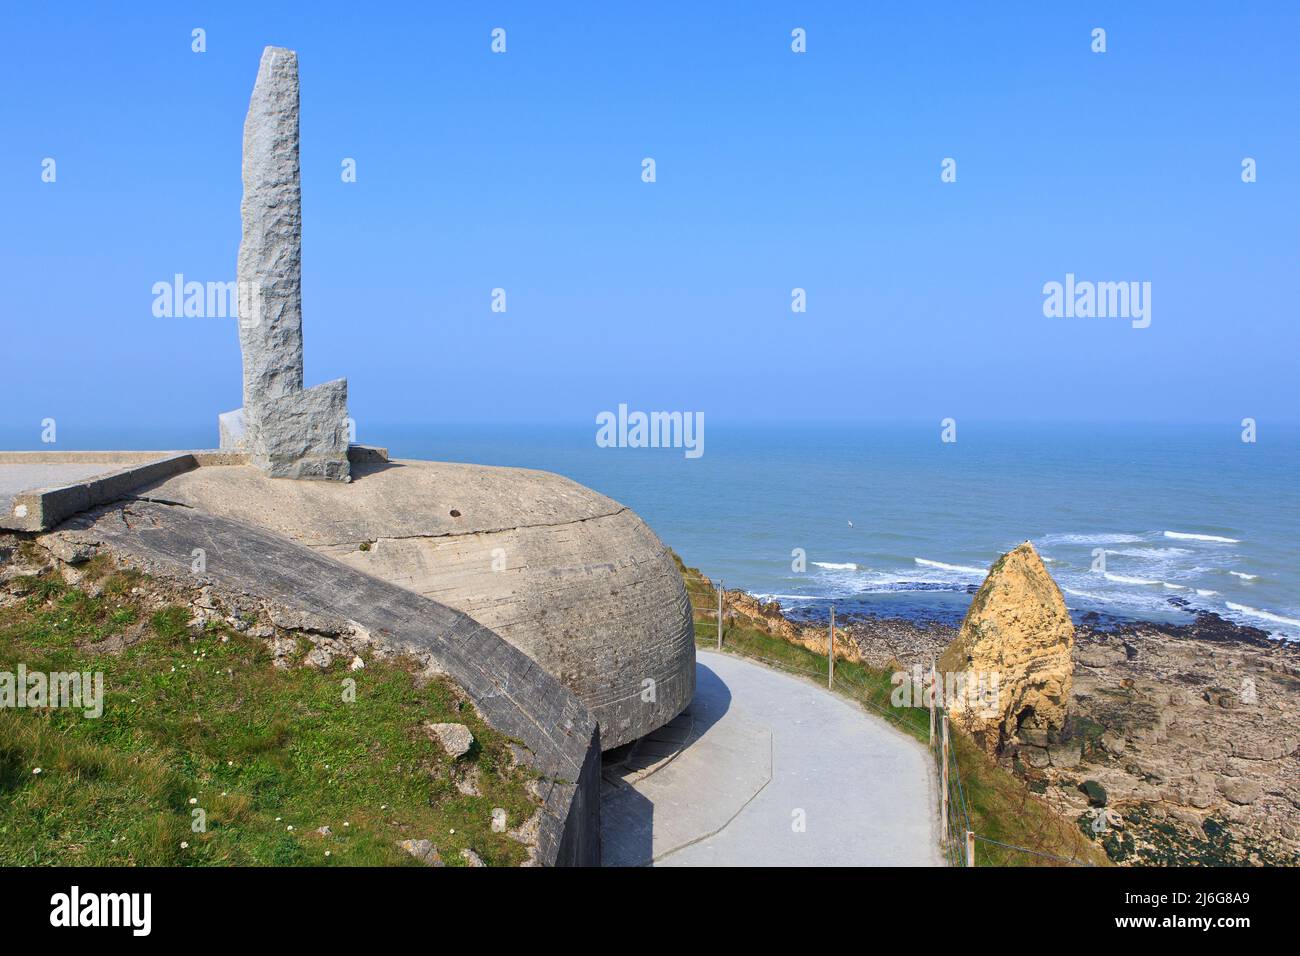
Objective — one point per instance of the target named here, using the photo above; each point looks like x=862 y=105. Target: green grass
x=1000 y=804
x=203 y=721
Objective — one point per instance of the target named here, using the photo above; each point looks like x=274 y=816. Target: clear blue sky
x=775 y=170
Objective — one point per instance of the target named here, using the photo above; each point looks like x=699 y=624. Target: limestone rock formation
x=456 y=739
x=1017 y=632
x=287 y=431
x=1194 y=732
x=424 y=851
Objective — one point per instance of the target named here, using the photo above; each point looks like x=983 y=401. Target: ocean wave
x=1189 y=536
x=1138 y=602
x=831 y=566
x=939 y=565
x=1206 y=592
x=885 y=582
x=1122 y=579
x=1244 y=576
x=1158 y=553
x=1262 y=615
x=1105 y=538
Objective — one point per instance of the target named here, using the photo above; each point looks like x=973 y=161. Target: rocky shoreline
x=1182 y=745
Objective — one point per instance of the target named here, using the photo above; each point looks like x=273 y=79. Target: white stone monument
x=287 y=431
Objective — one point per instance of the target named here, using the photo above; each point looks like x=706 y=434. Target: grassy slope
x=1000 y=805
x=203 y=721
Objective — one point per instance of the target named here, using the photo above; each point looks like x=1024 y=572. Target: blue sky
x=774 y=171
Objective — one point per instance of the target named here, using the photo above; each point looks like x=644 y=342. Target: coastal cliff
x=1169 y=744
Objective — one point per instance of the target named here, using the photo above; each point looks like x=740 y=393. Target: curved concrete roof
x=572 y=578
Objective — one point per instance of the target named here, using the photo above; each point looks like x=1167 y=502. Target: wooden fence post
x=945 y=777
x=830 y=651
x=719 y=613
x=931 y=696
x=970 y=847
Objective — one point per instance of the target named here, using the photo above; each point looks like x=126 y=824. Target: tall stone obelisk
x=287 y=431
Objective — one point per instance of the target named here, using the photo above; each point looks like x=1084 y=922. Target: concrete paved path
x=777 y=772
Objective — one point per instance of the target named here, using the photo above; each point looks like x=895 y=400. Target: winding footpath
x=772 y=770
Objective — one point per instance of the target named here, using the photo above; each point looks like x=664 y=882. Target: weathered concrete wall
x=39 y=489
x=570 y=577
x=515 y=696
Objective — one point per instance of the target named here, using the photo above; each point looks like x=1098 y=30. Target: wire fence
x=959 y=841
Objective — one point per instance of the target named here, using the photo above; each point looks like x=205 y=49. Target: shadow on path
x=772 y=771
x=627 y=816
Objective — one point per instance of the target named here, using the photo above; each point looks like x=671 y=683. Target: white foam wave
x=1131 y=601
x=962 y=568
x=1189 y=536
x=1262 y=615
x=832 y=566
x=1111 y=538
x=1244 y=576
x=1158 y=553
x=1123 y=579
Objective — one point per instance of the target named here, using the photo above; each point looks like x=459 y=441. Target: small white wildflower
x=193 y=800
x=37 y=770
x=184 y=845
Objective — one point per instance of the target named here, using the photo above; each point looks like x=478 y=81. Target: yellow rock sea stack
x=1017 y=632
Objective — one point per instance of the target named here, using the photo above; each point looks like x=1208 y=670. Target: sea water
x=1150 y=522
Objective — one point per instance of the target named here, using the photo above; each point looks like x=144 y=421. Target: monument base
x=300 y=435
